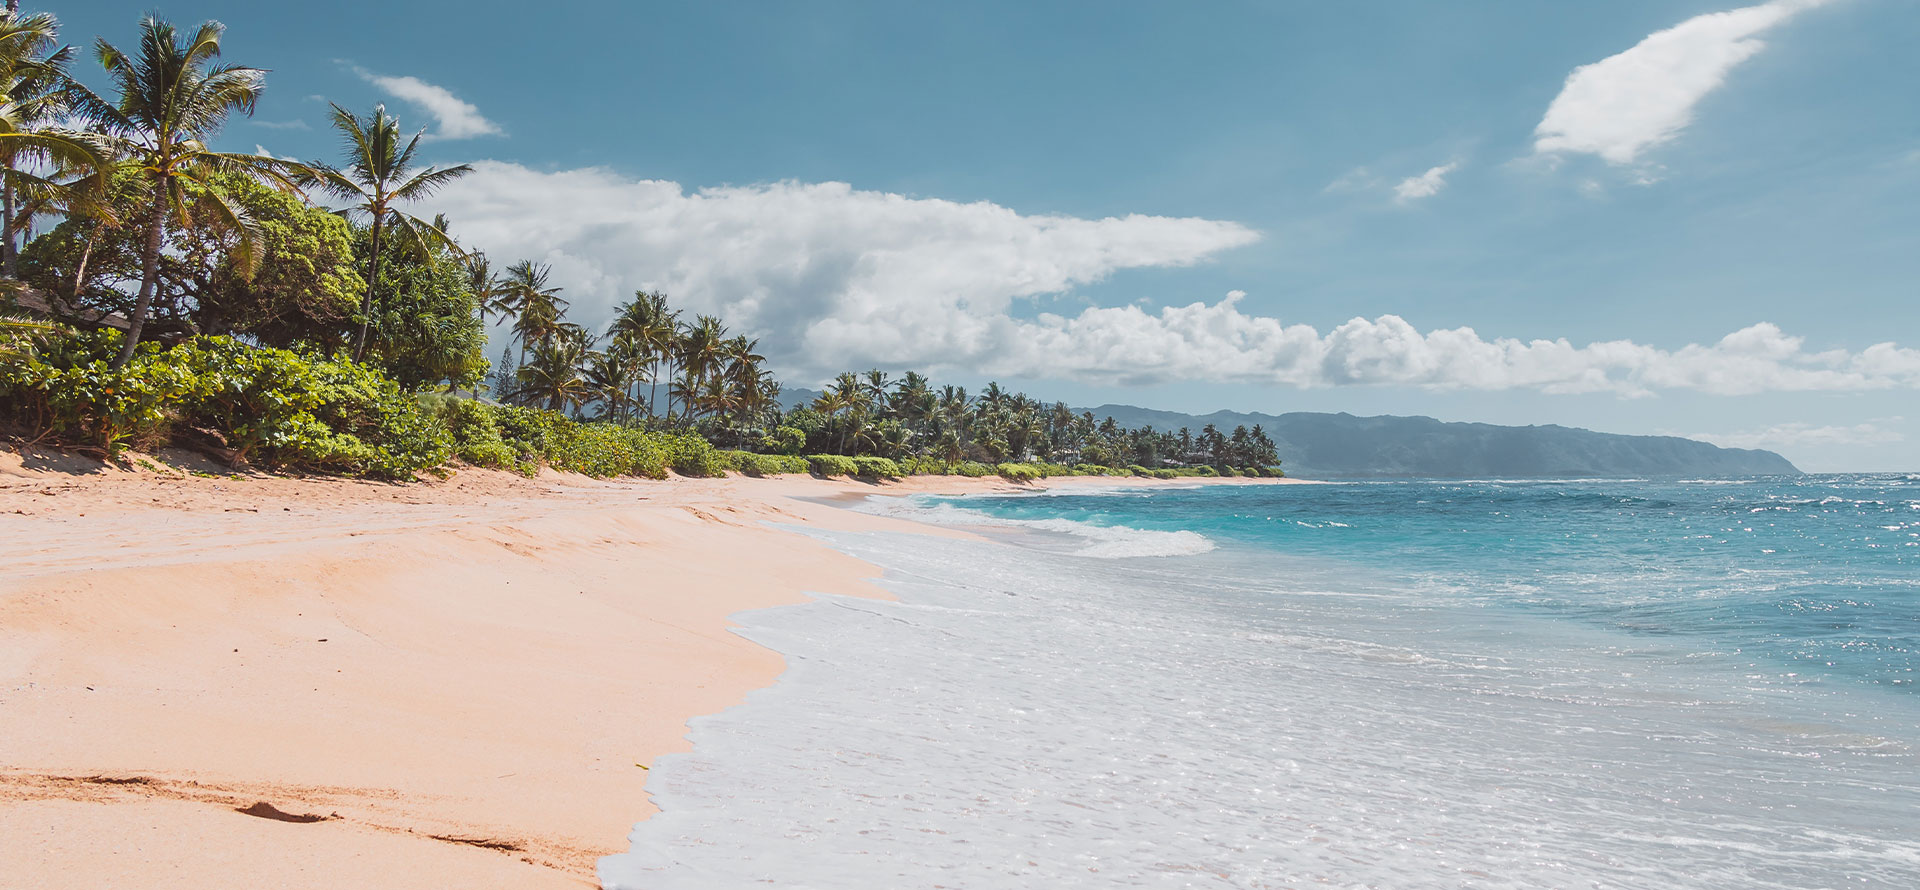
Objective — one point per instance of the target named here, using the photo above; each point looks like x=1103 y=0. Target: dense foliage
x=281 y=409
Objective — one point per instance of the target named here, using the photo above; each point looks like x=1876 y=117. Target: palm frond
x=428 y=182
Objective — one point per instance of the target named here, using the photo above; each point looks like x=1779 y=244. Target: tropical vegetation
x=308 y=316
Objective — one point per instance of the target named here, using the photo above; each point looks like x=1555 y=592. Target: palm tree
x=379 y=175
x=830 y=403
x=553 y=375
x=879 y=387
x=171 y=101
x=650 y=326
x=605 y=376
x=32 y=78
x=701 y=350
x=744 y=379
x=488 y=293
x=538 y=309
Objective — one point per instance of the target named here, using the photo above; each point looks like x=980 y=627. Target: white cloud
x=1624 y=104
x=457 y=119
x=835 y=277
x=1358 y=179
x=1791 y=435
x=1218 y=342
x=1426 y=185
x=295 y=124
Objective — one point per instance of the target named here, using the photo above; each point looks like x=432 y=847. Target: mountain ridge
x=1342 y=445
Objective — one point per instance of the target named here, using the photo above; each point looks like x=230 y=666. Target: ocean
x=1483 y=684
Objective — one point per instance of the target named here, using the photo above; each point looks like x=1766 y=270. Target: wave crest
x=1095 y=541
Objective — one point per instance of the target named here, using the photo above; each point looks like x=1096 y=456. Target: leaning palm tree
x=378 y=177
x=171 y=100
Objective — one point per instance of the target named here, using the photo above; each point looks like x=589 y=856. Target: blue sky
x=1028 y=186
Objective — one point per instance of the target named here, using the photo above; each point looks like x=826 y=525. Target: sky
x=1686 y=218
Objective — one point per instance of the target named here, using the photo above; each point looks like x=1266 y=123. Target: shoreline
x=303 y=682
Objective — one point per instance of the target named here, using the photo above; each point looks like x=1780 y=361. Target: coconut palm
x=879 y=387
x=171 y=99
x=538 y=309
x=488 y=293
x=650 y=326
x=605 y=375
x=553 y=374
x=378 y=177
x=32 y=79
x=701 y=352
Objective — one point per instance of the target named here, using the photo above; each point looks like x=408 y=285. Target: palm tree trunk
x=11 y=262
x=80 y=268
x=653 y=391
x=366 y=300
x=149 y=274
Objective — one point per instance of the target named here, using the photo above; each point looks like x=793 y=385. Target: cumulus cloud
x=1624 y=104
x=1426 y=185
x=835 y=277
x=1790 y=435
x=1217 y=341
x=455 y=118
x=295 y=124
x=838 y=274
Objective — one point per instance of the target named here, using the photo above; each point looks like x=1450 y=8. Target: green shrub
x=877 y=467
x=767 y=464
x=786 y=440
x=269 y=406
x=475 y=433
x=1018 y=472
x=1139 y=470
x=923 y=466
x=831 y=465
x=972 y=469
x=690 y=455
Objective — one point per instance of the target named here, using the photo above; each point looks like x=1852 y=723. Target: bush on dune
x=763 y=464
x=280 y=409
x=273 y=407
x=877 y=468
x=831 y=465
x=1017 y=472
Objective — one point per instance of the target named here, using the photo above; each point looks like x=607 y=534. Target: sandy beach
x=261 y=681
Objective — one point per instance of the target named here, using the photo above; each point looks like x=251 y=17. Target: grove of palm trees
x=319 y=316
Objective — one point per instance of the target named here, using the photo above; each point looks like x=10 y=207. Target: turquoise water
x=1397 y=685
x=1811 y=578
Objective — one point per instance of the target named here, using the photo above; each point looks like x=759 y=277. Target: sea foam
x=1081 y=538
x=1253 y=718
